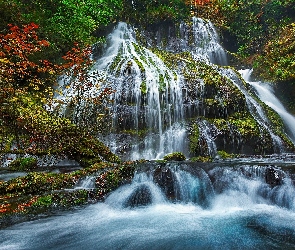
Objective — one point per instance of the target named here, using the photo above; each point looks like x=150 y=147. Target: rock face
x=164 y=178
x=273 y=177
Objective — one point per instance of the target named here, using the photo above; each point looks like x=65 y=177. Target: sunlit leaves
x=277 y=62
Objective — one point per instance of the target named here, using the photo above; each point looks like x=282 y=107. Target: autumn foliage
x=17 y=66
x=27 y=84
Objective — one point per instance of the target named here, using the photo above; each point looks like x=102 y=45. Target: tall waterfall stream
x=233 y=204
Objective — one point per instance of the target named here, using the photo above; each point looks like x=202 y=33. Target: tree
x=19 y=75
x=64 y=22
x=26 y=85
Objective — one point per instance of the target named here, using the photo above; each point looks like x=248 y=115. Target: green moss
x=44 y=201
x=224 y=155
x=140 y=65
x=162 y=83
x=23 y=164
x=141 y=133
x=143 y=87
x=112 y=179
x=161 y=161
x=194 y=138
x=175 y=156
x=202 y=159
x=246 y=126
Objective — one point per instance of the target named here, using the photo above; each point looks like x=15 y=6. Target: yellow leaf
x=4 y=60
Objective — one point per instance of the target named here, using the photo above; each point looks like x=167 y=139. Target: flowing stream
x=176 y=206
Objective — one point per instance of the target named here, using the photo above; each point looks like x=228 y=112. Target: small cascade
x=174 y=182
x=207 y=136
x=185 y=183
x=254 y=184
x=191 y=188
x=266 y=94
x=87 y=183
x=206 y=41
x=142 y=191
x=255 y=109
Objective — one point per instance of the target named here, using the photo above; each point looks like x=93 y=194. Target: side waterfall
x=206 y=43
x=255 y=108
x=266 y=94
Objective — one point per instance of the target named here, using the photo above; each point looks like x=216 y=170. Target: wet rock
x=273 y=177
x=140 y=197
x=165 y=179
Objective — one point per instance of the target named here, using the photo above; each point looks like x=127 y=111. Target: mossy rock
x=225 y=155
x=89 y=162
x=23 y=164
x=176 y=156
x=201 y=159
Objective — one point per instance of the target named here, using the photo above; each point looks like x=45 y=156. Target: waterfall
x=255 y=109
x=155 y=103
x=266 y=94
x=148 y=95
x=148 y=109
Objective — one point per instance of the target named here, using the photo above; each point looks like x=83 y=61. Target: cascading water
x=206 y=43
x=87 y=183
x=266 y=94
x=255 y=109
x=147 y=98
x=186 y=205
x=177 y=206
x=202 y=40
x=207 y=138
